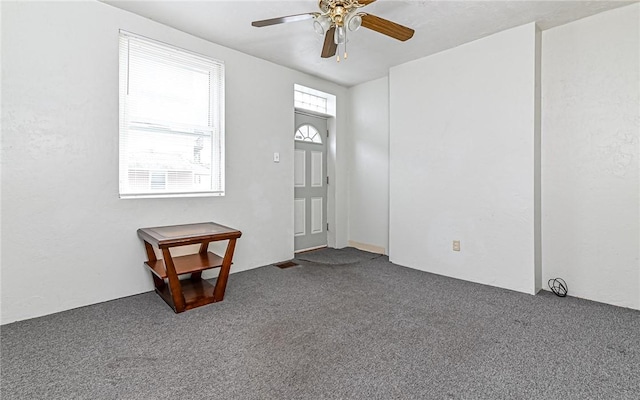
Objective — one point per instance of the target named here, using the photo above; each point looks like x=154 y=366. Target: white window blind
x=171 y=120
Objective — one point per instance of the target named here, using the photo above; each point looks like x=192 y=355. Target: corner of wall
x=537 y=161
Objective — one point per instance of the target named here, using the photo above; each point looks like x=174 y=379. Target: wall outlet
x=456 y=245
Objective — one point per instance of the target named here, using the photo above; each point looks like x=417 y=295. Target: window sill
x=169 y=195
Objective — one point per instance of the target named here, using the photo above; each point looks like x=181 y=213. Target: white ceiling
x=438 y=25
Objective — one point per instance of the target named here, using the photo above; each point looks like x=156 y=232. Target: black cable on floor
x=558 y=286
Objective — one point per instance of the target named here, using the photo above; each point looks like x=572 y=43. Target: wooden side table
x=193 y=292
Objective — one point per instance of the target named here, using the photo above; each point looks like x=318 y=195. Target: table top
x=181 y=235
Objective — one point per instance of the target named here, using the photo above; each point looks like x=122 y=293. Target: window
x=307 y=133
x=171 y=121
x=314 y=101
x=309 y=101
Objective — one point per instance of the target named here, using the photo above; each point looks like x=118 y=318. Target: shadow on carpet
x=328 y=256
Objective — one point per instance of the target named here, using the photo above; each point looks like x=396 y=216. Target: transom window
x=307 y=133
x=310 y=101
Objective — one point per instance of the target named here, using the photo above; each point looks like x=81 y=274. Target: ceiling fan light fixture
x=354 y=22
x=321 y=24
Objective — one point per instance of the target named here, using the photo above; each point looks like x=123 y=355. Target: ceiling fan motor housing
x=339 y=10
x=337 y=13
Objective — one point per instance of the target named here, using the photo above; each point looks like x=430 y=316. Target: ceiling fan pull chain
x=345 y=44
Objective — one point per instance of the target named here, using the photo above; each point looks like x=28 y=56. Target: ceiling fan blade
x=329 y=48
x=282 y=20
x=387 y=27
x=365 y=2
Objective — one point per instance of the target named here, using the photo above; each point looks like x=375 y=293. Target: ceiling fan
x=336 y=17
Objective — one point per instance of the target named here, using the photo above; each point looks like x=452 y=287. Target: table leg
x=221 y=283
x=204 y=248
x=174 y=282
x=151 y=256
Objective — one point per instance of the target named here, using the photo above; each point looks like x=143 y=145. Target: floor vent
x=286 y=264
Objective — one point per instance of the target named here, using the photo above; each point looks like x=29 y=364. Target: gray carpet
x=367 y=330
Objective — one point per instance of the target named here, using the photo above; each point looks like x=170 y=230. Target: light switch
x=276 y=157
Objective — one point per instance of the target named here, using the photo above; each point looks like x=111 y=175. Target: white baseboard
x=367 y=247
x=310 y=249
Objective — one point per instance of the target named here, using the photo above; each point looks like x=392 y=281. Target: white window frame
x=215 y=126
x=315 y=102
x=309 y=101
x=306 y=137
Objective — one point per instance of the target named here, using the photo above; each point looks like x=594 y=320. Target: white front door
x=310 y=182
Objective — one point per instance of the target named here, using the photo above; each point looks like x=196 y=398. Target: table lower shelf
x=196 y=292
x=186 y=264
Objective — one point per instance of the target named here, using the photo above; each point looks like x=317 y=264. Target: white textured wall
x=590 y=156
x=67 y=239
x=462 y=161
x=369 y=165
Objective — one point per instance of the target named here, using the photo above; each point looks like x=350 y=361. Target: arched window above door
x=307 y=133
